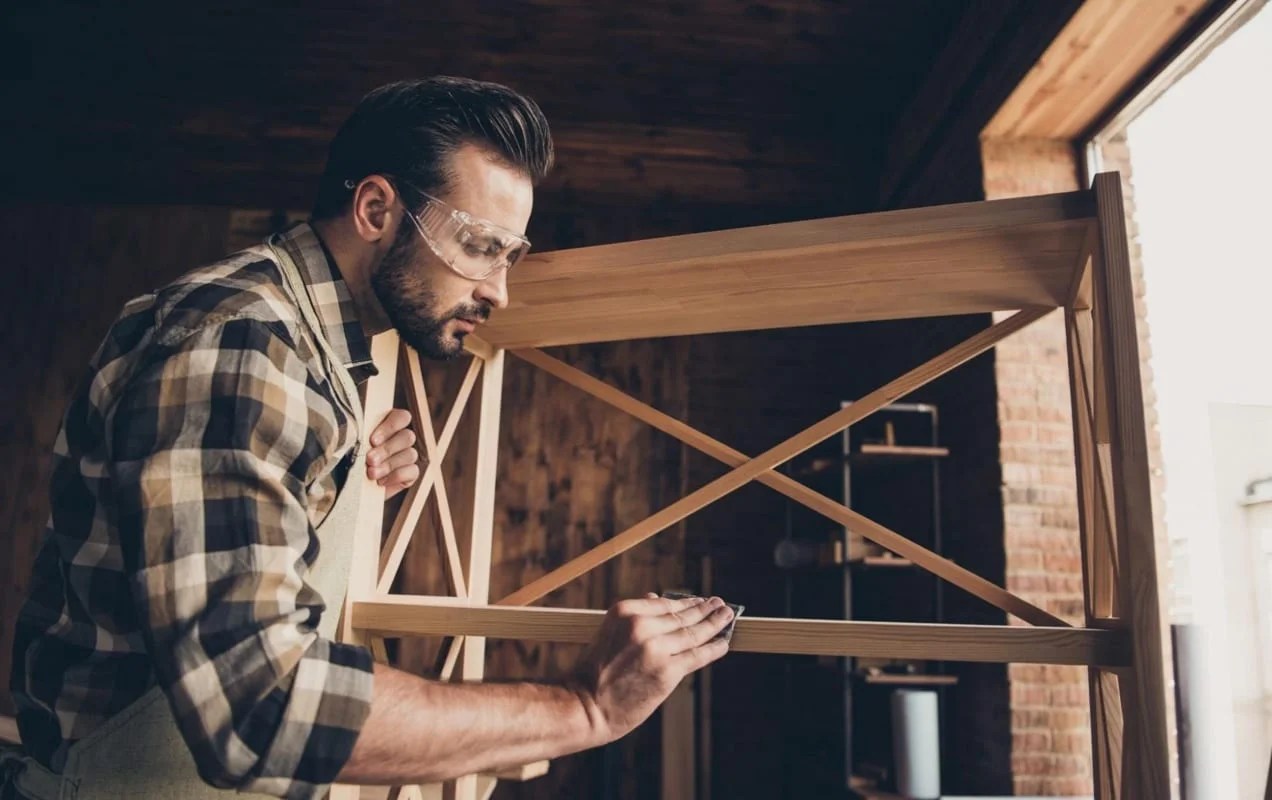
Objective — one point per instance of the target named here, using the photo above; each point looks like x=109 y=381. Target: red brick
x=1066 y=562
x=1030 y=695
x=1026 y=584
x=1071 y=787
x=1070 y=718
x=1071 y=695
x=1059 y=583
x=1032 y=764
x=1072 y=610
x=1071 y=743
x=1027 y=673
x=1019 y=432
x=1031 y=742
x=1024 y=560
x=1029 y=785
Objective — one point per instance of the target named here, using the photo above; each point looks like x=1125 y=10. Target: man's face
x=432 y=307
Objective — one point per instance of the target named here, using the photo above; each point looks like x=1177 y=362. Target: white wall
x=1202 y=165
x=1241 y=440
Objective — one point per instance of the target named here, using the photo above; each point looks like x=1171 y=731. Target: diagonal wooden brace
x=404 y=526
x=760 y=468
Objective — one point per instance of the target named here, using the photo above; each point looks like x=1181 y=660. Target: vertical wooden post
x=364 y=562
x=472 y=662
x=1146 y=760
x=678 y=752
x=1098 y=581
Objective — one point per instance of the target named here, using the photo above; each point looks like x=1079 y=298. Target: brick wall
x=1051 y=743
x=1050 y=723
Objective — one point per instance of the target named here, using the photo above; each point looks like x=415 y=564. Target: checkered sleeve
x=212 y=444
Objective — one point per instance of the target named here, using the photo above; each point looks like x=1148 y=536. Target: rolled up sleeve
x=212 y=447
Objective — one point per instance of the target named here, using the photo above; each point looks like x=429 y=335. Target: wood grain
x=472 y=657
x=955 y=259
x=365 y=556
x=1099 y=54
x=1095 y=492
x=403 y=615
x=1144 y=690
x=678 y=743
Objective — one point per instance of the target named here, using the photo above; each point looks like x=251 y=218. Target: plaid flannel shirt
x=195 y=459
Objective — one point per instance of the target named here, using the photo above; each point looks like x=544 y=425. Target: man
x=175 y=636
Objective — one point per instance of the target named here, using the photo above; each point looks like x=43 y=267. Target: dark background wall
x=143 y=141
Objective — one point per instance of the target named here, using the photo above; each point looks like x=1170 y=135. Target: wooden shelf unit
x=1030 y=256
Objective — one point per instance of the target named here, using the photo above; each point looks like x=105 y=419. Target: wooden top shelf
x=955 y=259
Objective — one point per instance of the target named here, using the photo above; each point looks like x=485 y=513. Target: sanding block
x=727 y=632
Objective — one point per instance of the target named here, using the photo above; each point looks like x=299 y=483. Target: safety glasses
x=473 y=247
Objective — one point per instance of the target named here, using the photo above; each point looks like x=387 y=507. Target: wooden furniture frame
x=1029 y=255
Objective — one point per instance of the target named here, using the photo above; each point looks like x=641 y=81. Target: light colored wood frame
x=1032 y=255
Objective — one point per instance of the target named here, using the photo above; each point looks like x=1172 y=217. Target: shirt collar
x=331 y=298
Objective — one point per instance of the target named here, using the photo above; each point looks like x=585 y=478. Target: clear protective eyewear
x=473 y=247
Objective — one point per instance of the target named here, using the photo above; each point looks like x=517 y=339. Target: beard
x=411 y=305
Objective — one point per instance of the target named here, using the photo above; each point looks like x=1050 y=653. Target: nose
x=493 y=290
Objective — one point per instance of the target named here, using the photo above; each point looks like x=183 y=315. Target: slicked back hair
x=410 y=129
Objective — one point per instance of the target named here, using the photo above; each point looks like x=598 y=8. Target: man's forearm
x=422 y=731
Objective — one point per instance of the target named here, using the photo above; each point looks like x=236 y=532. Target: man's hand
x=391 y=462
x=641 y=653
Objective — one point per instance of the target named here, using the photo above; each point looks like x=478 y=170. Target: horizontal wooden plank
x=956 y=259
x=408 y=615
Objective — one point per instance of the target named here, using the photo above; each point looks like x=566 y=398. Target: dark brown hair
x=409 y=130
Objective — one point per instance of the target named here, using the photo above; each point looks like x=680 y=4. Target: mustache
x=477 y=312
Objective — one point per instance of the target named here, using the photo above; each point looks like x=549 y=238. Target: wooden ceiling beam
x=1102 y=51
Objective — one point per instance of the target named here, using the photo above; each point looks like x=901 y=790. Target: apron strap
x=300 y=293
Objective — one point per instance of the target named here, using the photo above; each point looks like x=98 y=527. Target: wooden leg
x=363 y=567
x=472 y=659
x=364 y=563
x=678 y=749
x=1095 y=516
x=1143 y=688
x=1106 y=734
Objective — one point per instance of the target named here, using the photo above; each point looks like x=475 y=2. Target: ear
x=373 y=198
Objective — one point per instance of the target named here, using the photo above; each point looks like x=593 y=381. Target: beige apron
x=139 y=752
